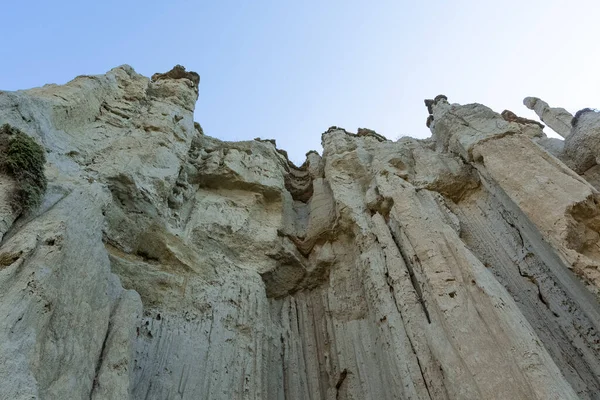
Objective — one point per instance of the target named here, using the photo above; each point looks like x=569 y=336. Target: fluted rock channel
x=166 y=264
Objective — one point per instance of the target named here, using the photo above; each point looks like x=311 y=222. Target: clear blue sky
x=290 y=69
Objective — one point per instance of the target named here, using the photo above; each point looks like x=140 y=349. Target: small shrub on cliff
x=24 y=159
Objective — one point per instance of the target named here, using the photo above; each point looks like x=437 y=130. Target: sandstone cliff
x=166 y=264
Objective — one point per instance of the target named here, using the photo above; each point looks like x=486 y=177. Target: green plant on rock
x=24 y=159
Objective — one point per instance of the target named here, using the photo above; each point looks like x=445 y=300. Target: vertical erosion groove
x=388 y=281
x=396 y=235
x=340 y=382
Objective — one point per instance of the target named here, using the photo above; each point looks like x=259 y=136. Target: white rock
x=166 y=264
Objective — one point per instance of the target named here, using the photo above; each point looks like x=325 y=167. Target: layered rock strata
x=167 y=264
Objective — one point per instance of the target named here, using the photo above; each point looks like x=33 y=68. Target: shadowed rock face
x=167 y=264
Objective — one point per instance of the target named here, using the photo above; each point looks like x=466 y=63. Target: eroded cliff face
x=166 y=264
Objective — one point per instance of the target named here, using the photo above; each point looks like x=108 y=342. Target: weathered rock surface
x=167 y=264
x=556 y=118
x=582 y=145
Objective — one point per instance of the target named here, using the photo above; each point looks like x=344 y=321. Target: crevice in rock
x=408 y=336
x=533 y=280
x=340 y=382
x=299 y=183
x=543 y=300
x=526 y=252
x=283 y=365
x=515 y=228
x=409 y=265
x=412 y=347
x=145 y=256
x=118 y=111
x=95 y=382
x=297 y=317
x=7 y=259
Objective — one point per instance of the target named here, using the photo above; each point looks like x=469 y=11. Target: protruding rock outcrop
x=178 y=72
x=167 y=264
x=558 y=119
x=512 y=117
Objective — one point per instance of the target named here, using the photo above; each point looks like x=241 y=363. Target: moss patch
x=24 y=159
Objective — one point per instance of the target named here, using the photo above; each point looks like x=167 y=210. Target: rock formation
x=512 y=117
x=556 y=118
x=163 y=263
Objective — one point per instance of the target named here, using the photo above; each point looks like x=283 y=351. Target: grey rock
x=558 y=119
x=583 y=145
